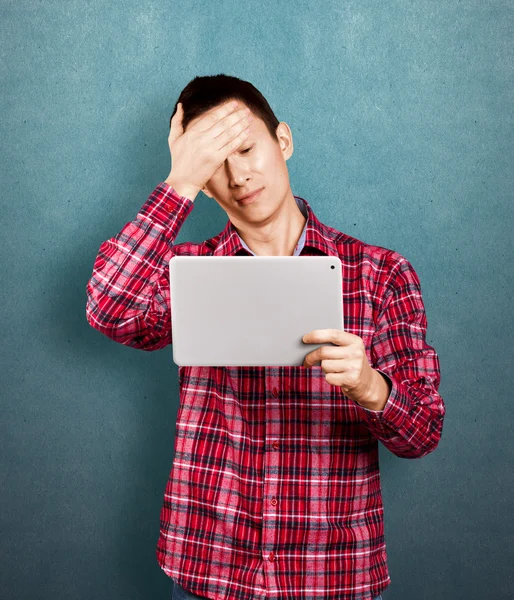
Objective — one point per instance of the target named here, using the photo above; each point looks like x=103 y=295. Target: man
x=275 y=486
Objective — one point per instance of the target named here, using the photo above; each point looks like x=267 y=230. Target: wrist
x=182 y=188
x=379 y=392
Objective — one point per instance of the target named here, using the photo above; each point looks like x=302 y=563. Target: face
x=259 y=162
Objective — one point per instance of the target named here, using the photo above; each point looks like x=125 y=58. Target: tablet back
x=251 y=310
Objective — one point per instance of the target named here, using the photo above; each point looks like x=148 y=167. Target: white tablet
x=251 y=310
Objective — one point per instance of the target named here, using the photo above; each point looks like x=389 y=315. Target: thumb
x=176 y=128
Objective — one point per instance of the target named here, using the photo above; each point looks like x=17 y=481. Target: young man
x=275 y=488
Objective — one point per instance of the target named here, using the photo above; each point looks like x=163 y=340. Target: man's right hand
x=200 y=151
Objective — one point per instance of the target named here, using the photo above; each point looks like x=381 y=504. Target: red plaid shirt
x=275 y=488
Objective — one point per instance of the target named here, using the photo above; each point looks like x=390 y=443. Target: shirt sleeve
x=410 y=425
x=128 y=296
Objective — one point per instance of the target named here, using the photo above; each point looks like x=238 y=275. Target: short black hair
x=205 y=92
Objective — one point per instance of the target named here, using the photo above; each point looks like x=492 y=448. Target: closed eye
x=246 y=150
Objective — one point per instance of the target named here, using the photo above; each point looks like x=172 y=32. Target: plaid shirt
x=274 y=491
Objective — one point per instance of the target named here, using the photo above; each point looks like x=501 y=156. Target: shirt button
x=275 y=392
x=271 y=556
x=275 y=445
x=273 y=501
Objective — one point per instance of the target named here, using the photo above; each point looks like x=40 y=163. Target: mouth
x=251 y=198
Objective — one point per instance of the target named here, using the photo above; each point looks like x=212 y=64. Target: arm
x=128 y=295
x=410 y=424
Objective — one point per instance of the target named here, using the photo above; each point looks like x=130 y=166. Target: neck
x=277 y=235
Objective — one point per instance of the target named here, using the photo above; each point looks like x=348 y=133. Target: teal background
x=402 y=121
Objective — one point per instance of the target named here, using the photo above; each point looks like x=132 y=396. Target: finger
x=312 y=358
x=208 y=120
x=324 y=353
x=334 y=365
x=232 y=138
x=231 y=125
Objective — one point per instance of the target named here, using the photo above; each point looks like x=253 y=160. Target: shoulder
x=381 y=261
x=382 y=269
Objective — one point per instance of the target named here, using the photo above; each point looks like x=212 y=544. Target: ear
x=285 y=139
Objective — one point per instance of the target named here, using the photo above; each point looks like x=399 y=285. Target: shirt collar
x=317 y=235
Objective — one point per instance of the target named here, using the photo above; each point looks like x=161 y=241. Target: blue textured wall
x=402 y=120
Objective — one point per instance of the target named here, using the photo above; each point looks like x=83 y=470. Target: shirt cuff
x=165 y=206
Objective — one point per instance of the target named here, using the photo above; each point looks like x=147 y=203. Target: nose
x=238 y=174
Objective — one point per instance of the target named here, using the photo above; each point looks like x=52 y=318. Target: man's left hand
x=345 y=365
